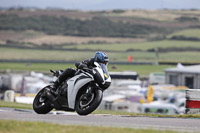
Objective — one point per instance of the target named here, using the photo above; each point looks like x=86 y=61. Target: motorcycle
x=81 y=93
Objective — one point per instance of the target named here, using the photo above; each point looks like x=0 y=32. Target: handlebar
x=52 y=71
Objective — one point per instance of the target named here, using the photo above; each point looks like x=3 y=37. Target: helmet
x=101 y=57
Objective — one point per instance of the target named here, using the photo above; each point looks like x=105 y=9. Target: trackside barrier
x=192 y=101
x=9 y=96
x=27 y=98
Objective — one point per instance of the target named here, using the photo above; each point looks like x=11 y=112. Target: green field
x=15 y=53
x=187 y=33
x=40 y=67
x=11 y=126
x=45 y=67
x=121 y=56
x=139 y=45
x=29 y=106
x=150 y=29
x=15 y=105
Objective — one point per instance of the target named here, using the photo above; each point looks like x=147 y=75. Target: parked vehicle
x=159 y=108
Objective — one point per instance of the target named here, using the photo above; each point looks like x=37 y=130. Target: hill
x=136 y=33
x=115 y=23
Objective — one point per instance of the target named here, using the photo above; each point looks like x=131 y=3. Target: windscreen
x=105 y=70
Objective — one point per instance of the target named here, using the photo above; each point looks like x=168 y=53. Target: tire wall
x=192 y=101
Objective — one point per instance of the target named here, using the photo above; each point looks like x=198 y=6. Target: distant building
x=124 y=75
x=184 y=76
x=157 y=78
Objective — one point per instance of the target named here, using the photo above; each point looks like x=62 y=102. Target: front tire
x=41 y=104
x=86 y=106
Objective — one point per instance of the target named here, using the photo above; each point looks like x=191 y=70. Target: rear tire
x=41 y=104
x=91 y=106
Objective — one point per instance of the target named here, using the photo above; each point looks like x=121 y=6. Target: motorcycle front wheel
x=41 y=104
x=87 y=103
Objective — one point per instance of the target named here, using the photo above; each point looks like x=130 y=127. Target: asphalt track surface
x=67 y=118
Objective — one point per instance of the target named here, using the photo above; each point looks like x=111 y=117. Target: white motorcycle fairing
x=78 y=81
x=75 y=84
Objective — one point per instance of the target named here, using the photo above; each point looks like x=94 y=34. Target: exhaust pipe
x=49 y=95
x=52 y=98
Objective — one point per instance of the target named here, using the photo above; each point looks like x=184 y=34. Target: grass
x=145 y=115
x=15 y=53
x=196 y=116
x=45 y=67
x=26 y=54
x=160 y=15
x=11 y=126
x=60 y=39
x=29 y=106
x=15 y=105
x=138 y=45
x=187 y=57
x=142 y=70
x=40 y=67
x=187 y=33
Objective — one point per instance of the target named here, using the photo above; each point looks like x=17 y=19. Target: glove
x=82 y=66
x=77 y=64
x=58 y=73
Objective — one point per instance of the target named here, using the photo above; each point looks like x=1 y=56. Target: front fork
x=91 y=87
x=89 y=90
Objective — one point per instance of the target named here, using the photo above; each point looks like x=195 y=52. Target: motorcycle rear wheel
x=88 y=106
x=41 y=104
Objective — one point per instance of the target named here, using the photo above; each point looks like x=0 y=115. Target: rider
x=99 y=57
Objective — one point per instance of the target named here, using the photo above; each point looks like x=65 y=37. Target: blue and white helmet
x=101 y=57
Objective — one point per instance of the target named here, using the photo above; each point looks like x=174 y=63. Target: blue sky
x=104 y=4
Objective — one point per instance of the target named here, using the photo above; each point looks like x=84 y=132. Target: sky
x=103 y=4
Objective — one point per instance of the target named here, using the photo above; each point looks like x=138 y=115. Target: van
x=159 y=108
